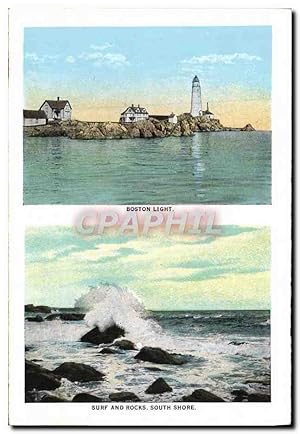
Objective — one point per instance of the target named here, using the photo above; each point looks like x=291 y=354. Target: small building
x=207 y=114
x=172 y=118
x=59 y=109
x=33 y=118
x=134 y=114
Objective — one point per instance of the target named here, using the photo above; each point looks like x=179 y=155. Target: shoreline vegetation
x=187 y=125
x=41 y=383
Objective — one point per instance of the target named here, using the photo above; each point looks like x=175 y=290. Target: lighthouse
x=196 y=104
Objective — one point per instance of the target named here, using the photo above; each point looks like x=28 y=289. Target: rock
x=248 y=127
x=52 y=398
x=157 y=355
x=39 y=378
x=124 y=397
x=258 y=397
x=86 y=397
x=95 y=336
x=78 y=372
x=201 y=395
x=159 y=386
x=52 y=317
x=186 y=126
x=240 y=395
x=40 y=309
x=65 y=316
x=153 y=369
x=108 y=351
x=30 y=397
x=237 y=343
x=37 y=318
x=264 y=382
x=125 y=344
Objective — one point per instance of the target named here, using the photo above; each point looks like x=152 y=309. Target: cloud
x=37 y=59
x=104 y=46
x=100 y=59
x=70 y=59
x=226 y=59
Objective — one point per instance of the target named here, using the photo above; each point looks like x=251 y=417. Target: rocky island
x=186 y=125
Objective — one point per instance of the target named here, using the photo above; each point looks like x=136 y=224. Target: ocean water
x=217 y=168
x=224 y=350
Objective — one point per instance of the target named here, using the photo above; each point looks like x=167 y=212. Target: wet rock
x=39 y=378
x=258 y=397
x=152 y=368
x=37 y=318
x=40 y=309
x=201 y=395
x=240 y=395
x=237 y=343
x=159 y=386
x=86 y=397
x=124 y=397
x=263 y=381
x=65 y=316
x=125 y=344
x=52 y=398
x=95 y=336
x=78 y=372
x=157 y=355
x=108 y=351
x=30 y=397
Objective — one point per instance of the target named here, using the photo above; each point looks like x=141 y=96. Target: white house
x=134 y=114
x=207 y=114
x=59 y=109
x=172 y=118
x=32 y=118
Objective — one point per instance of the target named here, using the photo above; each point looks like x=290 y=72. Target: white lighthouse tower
x=196 y=103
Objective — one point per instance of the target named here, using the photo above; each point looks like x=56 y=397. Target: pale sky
x=230 y=271
x=103 y=70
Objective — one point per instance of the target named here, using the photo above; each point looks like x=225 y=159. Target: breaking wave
x=109 y=304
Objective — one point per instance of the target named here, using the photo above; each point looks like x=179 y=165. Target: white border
x=278 y=411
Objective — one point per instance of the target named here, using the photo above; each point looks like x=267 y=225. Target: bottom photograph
x=157 y=318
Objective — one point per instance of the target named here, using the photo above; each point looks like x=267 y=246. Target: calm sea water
x=225 y=350
x=221 y=168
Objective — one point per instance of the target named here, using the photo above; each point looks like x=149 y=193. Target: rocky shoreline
x=74 y=129
x=41 y=382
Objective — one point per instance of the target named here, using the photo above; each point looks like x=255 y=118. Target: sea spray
x=109 y=304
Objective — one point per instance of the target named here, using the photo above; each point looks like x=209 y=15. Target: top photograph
x=147 y=115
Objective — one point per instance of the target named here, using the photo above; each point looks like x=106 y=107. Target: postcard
x=150 y=217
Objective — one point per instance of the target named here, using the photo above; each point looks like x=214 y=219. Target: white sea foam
x=109 y=304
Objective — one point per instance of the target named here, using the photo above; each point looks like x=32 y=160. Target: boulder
x=157 y=355
x=37 y=318
x=240 y=395
x=258 y=397
x=39 y=378
x=40 y=309
x=78 y=372
x=86 y=397
x=95 y=336
x=124 y=397
x=108 y=351
x=65 y=316
x=52 y=398
x=201 y=395
x=159 y=386
x=125 y=344
x=152 y=368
